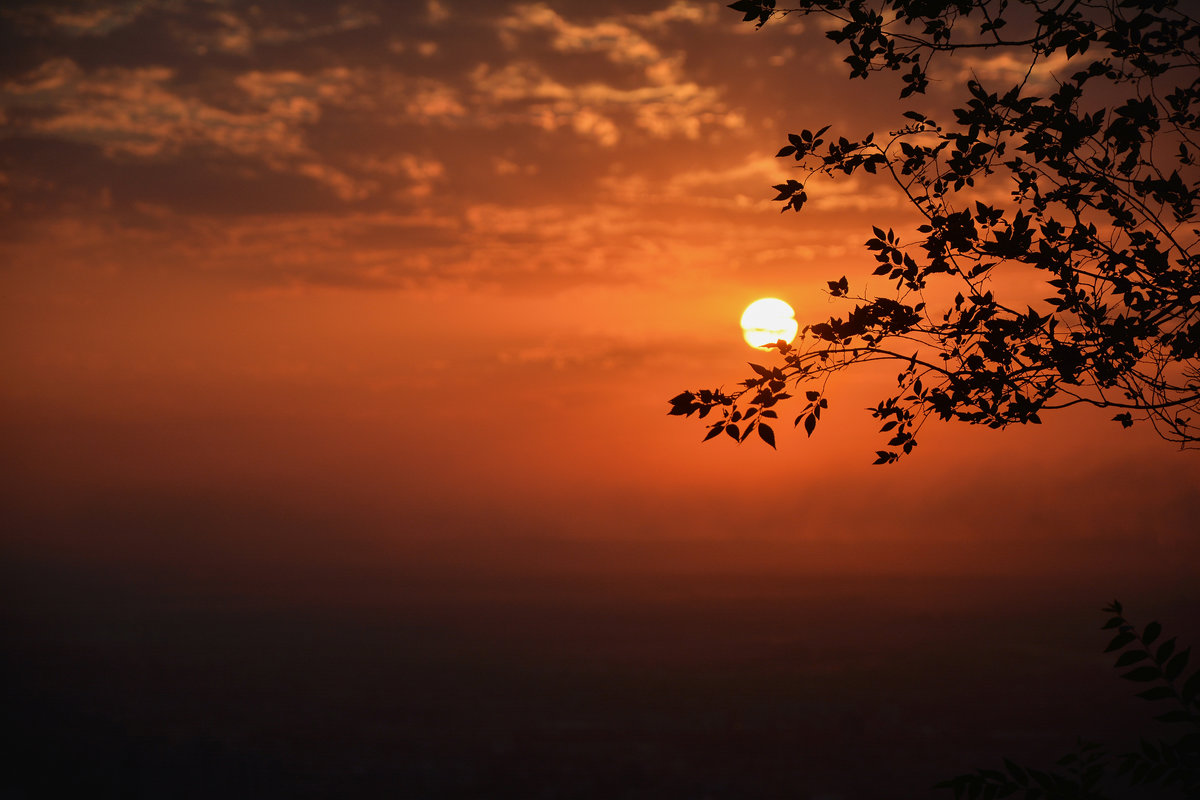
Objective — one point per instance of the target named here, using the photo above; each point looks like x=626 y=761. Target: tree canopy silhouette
x=1091 y=187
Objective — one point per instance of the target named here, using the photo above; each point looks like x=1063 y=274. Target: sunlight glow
x=768 y=320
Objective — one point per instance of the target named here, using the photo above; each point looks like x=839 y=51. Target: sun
x=768 y=320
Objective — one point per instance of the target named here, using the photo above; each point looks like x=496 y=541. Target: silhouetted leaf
x=761 y=370
x=1016 y=772
x=1151 y=632
x=1176 y=665
x=1191 y=688
x=1119 y=641
x=1131 y=657
x=766 y=434
x=1143 y=674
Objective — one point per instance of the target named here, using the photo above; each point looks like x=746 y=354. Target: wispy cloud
x=138 y=112
x=1006 y=69
x=663 y=101
x=141 y=113
x=210 y=26
x=72 y=20
x=522 y=92
x=618 y=41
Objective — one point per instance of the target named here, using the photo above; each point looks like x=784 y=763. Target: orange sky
x=428 y=272
x=337 y=343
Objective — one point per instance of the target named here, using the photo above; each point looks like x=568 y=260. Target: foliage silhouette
x=1103 y=184
x=1168 y=768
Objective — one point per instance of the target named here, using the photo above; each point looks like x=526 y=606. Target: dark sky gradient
x=337 y=342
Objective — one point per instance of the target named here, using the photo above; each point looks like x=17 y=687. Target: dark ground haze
x=617 y=673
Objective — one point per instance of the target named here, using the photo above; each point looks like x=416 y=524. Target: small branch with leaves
x=1169 y=767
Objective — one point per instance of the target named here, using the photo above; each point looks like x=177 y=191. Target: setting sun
x=768 y=320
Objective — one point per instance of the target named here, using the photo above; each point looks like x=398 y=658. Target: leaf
x=1131 y=657
x=1151 y=632
x=810 y=424
x=1191 y=687
x=1176 y=665
x=812 y=396
x=1119 y=641
x=714 y=431
x=1016 y=772
x=766 y=434
x=1142 y=674
x=1157 y=693
x=761 y=370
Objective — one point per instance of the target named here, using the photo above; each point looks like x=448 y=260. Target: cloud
x=621 y=44
x=580 y=353
x=140 y=113
x=379 y=250
x=431 y=100
x=348 y=18
x=660 y=100
x=436 y=12
x=678 y=11
x=137 y=112
x=53 y=75
x=221 y=29
x=419 y=173
x=523 y=92
x=212 y=26
x=1009 y=70
x=96 y=21
x=72 y=20
x=759 y=171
